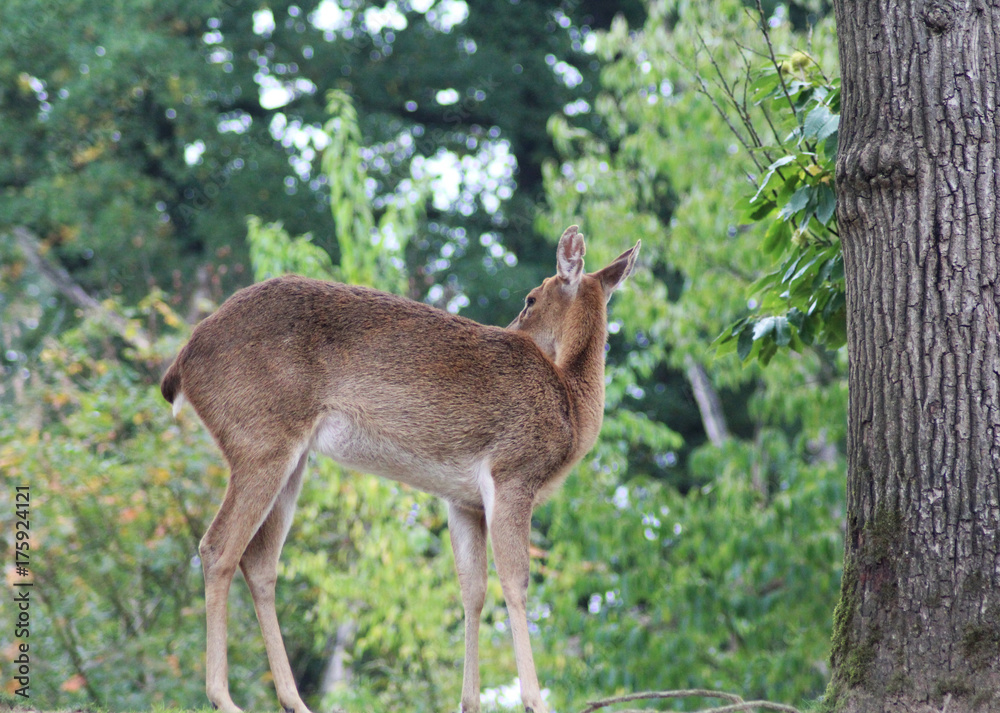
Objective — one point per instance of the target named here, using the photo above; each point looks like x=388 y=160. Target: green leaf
x=724 y=345
x=765 y=282
x=751 y=211
x=820 y=123
x=782 y=332
x=765 y=86
x=771 y=171
x=761 y=211
x=833 y=98
x=803 y=267
x=745 y=343
x=738 y=326
x=836 y=330
x=798 y=202
x=826 y=203
x=767 y=352
x=837 y=273
x=835 y=304
x=807 y=330
x=791 y=184
x=777 y=236
x=764 y=327
x=792 y=267
x=831 y=144
x=823 y=274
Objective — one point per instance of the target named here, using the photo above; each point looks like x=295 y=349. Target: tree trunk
x=713 y=418
x=918 y=178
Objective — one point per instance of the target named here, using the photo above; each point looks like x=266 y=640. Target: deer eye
x=529 y=302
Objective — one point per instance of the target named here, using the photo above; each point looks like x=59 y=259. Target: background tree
x=193 y=107
x=916 y=628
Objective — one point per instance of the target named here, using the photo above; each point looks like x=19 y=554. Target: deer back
x=283 y=358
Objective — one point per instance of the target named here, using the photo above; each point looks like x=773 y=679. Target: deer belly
x=457 y=479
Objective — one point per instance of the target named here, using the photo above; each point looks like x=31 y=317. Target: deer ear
x=614 y=274
x=569 y=255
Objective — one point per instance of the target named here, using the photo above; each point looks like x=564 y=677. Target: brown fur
x=490 y=419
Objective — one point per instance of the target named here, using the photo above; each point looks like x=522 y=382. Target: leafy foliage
x=716 y=588
x=139 y=141
x=120 y=496
x=722 y=587
x=370 y=255
x=274 y=252
x=802 y=299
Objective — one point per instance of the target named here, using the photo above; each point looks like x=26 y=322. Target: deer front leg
x=468 y=543
x=510 y=530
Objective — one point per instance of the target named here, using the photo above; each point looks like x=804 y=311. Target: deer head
x=561 y=313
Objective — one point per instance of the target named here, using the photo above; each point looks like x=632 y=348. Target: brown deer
x=490 y=419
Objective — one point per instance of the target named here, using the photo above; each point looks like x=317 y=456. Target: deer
x=490 y=419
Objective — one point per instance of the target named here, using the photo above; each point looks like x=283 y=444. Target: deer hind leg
x=260 y=569
x=510 y=529
x=468 y=543
x=253 y=489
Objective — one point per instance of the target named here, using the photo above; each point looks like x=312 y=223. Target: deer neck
x=580 y=360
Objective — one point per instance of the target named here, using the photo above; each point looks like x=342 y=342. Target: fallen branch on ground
x=736 y=703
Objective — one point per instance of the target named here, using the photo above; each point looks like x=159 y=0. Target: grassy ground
x=9 y=702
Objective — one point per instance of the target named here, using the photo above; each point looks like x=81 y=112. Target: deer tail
x=170 y=386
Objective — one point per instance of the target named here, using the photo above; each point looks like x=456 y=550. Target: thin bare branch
x=774 y=60
x=727 y=90
x=742 y=110
x=753 y=706
x=650 y=695
x=763 y=109
x=702 y=86
x=747 y=82
x=736 y=703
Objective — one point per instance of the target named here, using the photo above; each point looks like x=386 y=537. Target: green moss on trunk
x=873 y=559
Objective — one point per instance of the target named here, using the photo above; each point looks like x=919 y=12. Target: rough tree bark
x=918 y=180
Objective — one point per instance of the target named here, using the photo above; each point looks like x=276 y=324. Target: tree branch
x=709 y=405
x=67 y=286
x=737 y=703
